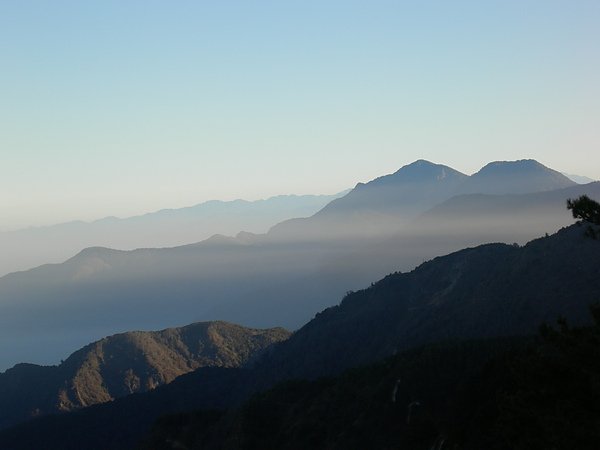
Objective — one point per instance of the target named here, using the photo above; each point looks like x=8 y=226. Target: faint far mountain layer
x=127 y=363
x=580 y=179
x=165 y=228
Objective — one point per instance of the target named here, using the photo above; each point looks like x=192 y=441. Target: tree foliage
x=585 y=208
x=504 y=394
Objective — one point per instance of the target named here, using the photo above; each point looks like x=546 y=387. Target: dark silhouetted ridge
x=487 y=291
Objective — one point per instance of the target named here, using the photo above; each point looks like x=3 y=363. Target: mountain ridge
x=441 y=298
x=34 y=246
x=377 y=207
x=515 y=177
x=256 y=280
x=489 y=291
x=127 y=363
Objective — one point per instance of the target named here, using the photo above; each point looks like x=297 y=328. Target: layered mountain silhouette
x=490 y=291
x=127 y=363
x=282 y=277
x=382 y=205
x=165 y=228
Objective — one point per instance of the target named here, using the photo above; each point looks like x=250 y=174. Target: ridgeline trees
x=587 y=210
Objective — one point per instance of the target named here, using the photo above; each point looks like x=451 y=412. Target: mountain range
x=380 y=206
x=283 y=277
x=490 y=291
x=34 y=246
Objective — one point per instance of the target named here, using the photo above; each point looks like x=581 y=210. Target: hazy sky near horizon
x=122 y=107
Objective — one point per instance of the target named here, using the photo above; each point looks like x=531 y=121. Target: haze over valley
x=285 y=276
x=301 y=225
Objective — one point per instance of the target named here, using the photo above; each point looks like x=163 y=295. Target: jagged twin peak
x=425 y=182
x=379 y=206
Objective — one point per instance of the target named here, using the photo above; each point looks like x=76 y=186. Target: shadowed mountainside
x=127 y=363
x=532 y=394
x=490 y=291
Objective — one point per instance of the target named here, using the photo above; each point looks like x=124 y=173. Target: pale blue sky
x=121 y=107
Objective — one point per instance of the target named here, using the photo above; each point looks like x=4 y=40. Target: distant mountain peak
x=421 y=162
x=515 y=177
x=95 y=252
x=420 y=170
x=579 y=179
x=520 y=164
x=409 y=191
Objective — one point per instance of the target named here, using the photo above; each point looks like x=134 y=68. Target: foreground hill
x=532 y=394
x=491 y=291
x=127 y=363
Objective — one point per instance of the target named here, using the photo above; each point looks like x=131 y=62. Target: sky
x=123 y=107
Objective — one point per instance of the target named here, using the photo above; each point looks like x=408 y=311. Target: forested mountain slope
x=127 y=363
x=490 y=291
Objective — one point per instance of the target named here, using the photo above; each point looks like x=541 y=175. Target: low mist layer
x=281 y=278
